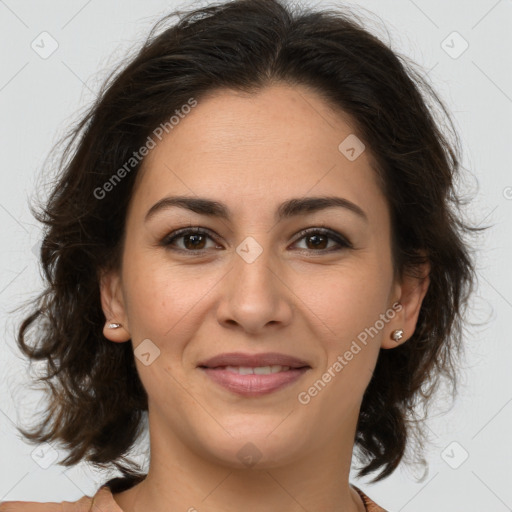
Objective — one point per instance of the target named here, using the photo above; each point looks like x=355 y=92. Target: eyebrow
x=290 y=208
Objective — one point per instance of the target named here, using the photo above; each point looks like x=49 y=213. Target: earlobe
x=116 y=324
x=411 y=292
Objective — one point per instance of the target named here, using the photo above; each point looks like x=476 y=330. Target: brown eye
x=194 y=242
x=317 y=240
x=188 y=240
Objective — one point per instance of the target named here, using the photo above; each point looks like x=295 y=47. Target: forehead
x=282 y=141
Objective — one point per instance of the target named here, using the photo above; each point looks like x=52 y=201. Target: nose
x=255 y=295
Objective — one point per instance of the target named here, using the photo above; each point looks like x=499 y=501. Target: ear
x=112 y=303
x=409 y=291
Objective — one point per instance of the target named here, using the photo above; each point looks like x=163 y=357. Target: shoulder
x=369 y=504
x=102 y=499
x=82 y=505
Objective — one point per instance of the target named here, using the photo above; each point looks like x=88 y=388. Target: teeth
x=259 y=370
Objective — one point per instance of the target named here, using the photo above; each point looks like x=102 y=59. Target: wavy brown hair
x=96 y=401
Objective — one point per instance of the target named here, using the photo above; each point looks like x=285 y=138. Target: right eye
x=192 y=240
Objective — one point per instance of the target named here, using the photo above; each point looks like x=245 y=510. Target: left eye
x=317 y=240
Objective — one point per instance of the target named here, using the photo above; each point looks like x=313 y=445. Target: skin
x=252 y=152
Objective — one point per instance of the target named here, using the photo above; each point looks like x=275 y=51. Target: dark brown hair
x=96 y=400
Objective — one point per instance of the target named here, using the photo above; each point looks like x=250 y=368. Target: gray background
x=40 y=97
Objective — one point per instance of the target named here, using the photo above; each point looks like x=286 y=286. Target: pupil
x=193 y=246
x=318 y=239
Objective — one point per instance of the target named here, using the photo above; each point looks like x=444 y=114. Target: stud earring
x=397 y=335
x=114 y=326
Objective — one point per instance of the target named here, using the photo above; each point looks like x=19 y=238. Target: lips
x=240 y=359
x=253 y=375
x=253 y=385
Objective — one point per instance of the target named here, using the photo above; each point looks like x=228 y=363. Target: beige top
x=103 y=501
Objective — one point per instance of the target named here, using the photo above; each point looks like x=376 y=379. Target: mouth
x=245 y=360
x=256 y=370
x=254 y=375
x=248 y=382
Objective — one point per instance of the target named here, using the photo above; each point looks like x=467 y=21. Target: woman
x=256 y=240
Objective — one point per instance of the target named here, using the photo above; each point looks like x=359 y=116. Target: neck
x=181 y=478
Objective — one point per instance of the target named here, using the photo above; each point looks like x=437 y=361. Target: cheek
x=342 y=305
x=342 y=302
x=162 y=297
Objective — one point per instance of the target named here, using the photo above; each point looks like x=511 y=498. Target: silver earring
x=114 y=326
x=397 y=335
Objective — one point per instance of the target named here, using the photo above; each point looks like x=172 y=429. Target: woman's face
x=249 y=282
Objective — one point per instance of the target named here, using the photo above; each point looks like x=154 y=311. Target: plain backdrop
x=465 y=48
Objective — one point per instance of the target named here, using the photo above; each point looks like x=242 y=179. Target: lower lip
x=254 y=385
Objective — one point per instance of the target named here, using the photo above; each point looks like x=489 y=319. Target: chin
x=256 y=449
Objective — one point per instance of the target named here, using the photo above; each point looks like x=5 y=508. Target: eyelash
x=342 y=242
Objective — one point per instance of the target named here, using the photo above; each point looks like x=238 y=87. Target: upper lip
x=253 y=360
